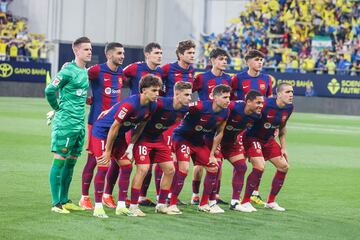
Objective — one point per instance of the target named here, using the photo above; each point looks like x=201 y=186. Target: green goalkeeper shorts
x=67 y=142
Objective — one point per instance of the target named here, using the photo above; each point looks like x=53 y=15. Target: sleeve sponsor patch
x=122 y=113
x=56 y=82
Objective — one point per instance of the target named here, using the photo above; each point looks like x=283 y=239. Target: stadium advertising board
x=24 y=71
x=320 y=85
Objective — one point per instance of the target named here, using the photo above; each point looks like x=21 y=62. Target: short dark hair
x=183 y=46
x=80 y=40
x=253 y=53
x=149 y=80
x=112 y=45
x=181 y=85
x=218 y=52
x=220 y=89
x=252 y=95
x=280 y=87
x=150 y=46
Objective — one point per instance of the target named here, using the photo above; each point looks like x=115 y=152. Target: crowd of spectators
x=16 y=43
x=321 y=36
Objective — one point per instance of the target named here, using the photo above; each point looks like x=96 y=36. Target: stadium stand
x=16 y=43
x=320 y=36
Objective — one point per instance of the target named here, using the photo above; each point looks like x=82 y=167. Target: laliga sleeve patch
x=56 y=82
x=122 y=113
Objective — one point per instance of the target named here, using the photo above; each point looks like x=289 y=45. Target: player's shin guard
x=177 y=187
x=66 y=177
x=157 y=178
x=99 y=183
x=55 y=180
x=209 y=185
x=124 y=179
x=238 y=178
x=146 y=183
x=277 y=183
x=111 y=177
x=87 y=174
x=252 y=181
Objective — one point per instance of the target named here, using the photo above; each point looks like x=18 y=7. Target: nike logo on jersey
x=269 y=116
x=106 y=79
x=246 y=86
x=177 y=74
x=203 y=120
x=163 y=118
x=234 y=121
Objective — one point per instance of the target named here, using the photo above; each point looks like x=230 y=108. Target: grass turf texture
x=321 y=193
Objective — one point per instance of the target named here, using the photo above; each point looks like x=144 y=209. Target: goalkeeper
x=68 y=127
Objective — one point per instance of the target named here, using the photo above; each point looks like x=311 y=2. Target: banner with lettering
x=24 y=71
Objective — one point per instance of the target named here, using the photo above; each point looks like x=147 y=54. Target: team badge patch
x=142 y=158
x=120 y=80
x=56 y=82
x=262 y=86
x=126 y=124
x=64 y=150
x=198 y=128
x=267 y=125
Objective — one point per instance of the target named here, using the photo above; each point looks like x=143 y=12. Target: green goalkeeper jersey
x=72 y=83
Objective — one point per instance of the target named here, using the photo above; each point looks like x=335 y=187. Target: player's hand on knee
x=104 y=159
x=49 y=117
x=129 y=152
x=284 y=154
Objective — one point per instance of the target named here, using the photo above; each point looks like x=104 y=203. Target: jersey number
x=257 y=145
x=142 y=150
x=185 y=149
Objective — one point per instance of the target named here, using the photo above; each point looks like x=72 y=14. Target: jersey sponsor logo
x=159 y=126
x=199 y=128
x=127 y=124
x=122 y=113
x=229 y=127
x=56 y=82
x=267 y=125
x=107 y=90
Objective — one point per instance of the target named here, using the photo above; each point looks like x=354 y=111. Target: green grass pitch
x=321 y=192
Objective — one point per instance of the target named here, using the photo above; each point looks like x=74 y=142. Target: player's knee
x=284 y=167
x=142 y=170
x=170 y=171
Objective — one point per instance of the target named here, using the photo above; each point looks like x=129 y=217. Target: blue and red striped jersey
x=129 y=113
x=200 y=120
x=162 y=118
x=242 y=83
x=272 y=118
x=173 y=73
x=204 y=83
x=106 y=89
x=238 y=121
x=135 y=71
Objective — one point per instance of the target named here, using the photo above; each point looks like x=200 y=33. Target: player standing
x=133 y=72
x=203 y=118
x=106 y=81
x=204 y=83
x=108 y=140
x=252 y=79
x=68 y=127
x=260 y=146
